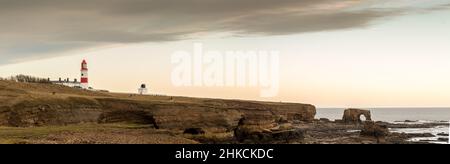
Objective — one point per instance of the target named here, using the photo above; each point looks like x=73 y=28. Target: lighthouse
x=84 y=75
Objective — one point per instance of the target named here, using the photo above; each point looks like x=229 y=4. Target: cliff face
x=220 y=114
x=45 y=104
x=45 y=112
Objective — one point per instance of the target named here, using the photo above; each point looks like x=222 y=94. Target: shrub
x=26 y=79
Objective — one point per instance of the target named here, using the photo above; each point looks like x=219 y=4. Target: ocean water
x=392 y=114
x=418 y=115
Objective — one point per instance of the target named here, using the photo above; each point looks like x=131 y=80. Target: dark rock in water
x=324 y=120
x=339 y=121
x=407 y=121
x=194 y=131
x=421 y=135
x=443 y=134
x=353 y=116
x=371 y=129
x=413 y=125
x=443 y=139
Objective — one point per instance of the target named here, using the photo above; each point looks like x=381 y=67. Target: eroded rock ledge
x=222 y=115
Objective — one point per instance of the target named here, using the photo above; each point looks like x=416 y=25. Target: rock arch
x=354 y=115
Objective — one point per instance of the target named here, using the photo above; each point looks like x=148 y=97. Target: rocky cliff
x=26 y=105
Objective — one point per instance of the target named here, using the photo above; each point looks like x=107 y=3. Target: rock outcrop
x=257 y=129
x=222 y=115
x=47 y=112
x=372 y=129
x=352 y=116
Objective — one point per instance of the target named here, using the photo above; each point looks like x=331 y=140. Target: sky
x=333 y=53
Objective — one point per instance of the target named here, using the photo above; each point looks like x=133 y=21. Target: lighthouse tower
x=84 y=75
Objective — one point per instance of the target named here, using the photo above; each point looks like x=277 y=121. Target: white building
x=83 y=83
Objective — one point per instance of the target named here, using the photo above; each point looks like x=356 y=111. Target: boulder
x=353 y=116
x=372 y=129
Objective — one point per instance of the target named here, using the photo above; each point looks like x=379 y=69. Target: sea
x=404 y=115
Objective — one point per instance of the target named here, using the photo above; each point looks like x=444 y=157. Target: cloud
x=31 y=28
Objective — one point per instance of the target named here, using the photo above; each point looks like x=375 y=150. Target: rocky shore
x=65 y=115
x=350 y=130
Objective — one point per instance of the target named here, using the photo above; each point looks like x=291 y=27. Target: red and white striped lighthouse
x=84 y=75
